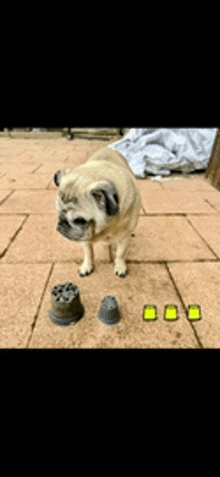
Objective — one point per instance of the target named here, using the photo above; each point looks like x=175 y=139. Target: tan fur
x=75 y=198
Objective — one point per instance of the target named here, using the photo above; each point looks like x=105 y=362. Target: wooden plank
x=32 y=135
x=212 y=174
x=46 y=133
x=95 y=131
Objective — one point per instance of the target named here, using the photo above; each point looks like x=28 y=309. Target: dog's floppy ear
x=58 y=176
x=107 y=198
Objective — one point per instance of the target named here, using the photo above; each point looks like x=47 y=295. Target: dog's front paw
x=121 y=269
x=85 y=270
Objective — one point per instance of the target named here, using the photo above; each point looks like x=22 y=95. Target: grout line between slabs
x=201 y=237
x=15 y=235
x=5 y=198
x=38 y=167
x=39 y=304
x=183 y=304
x=144 y=262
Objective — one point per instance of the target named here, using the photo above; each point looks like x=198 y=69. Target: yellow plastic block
x=150 y=313
x=194 y=313
x=171 y=313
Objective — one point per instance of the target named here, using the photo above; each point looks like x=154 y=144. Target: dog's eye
x=79 y=221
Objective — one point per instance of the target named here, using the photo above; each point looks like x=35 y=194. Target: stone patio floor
x=173 y=260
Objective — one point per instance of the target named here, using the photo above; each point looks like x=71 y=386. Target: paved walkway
x=173 y=260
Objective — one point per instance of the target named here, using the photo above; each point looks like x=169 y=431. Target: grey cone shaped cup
x=109 y=311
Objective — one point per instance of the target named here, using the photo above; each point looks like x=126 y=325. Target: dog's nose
x=80 y=221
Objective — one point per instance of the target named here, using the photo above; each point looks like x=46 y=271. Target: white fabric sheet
x=160 y=151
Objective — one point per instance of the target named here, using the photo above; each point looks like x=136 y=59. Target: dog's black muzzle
x=73 y=233
x=63 y=228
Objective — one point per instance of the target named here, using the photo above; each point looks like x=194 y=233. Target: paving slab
x=26 y=150
x=145 y=284
x=17 y=169
x=9 y=225
x=29 y=202
x=174 y=202
x=52 y=168
x=39 y=241
x=24 y=180
x=21 y=289
x=208 y=226
x=198 y=283
x=188 y=185
x=148 y=186
x=167 y=238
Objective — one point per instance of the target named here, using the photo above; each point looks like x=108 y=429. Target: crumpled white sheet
x=160 y=151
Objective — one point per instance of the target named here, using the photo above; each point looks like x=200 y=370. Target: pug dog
x=99 y=200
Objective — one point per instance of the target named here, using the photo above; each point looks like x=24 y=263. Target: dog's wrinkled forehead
x=68 y=193
x=74 y=196
x=87 y=192
x=68 y=197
